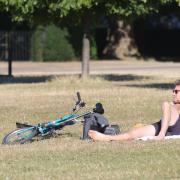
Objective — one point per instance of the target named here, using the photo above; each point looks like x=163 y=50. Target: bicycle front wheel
x=20 y=136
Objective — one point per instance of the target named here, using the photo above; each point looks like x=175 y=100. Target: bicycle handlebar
x=79 y=97
x=79 y=103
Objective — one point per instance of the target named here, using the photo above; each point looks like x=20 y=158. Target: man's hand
x=159 y=137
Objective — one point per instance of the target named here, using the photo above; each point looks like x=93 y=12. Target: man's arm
x=166 y=110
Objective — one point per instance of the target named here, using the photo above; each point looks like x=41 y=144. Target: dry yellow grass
x=127 y=100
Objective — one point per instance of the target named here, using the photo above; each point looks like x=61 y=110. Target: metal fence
x=15 y=45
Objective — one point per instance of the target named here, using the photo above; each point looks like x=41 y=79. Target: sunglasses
x=176 y=91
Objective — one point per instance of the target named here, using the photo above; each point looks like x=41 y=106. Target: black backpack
x=96 y=121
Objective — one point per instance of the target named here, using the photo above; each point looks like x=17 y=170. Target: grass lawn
x=128 y=100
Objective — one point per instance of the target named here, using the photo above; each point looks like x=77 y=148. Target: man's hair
x=177 y=83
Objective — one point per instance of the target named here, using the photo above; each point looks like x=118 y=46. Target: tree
x=83 y=12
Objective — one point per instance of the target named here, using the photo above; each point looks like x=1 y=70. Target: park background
x=130 y=95
x=69 y=31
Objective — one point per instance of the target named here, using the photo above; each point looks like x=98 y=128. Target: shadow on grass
x=56 y=135
x=38 y=79
x=24 y=79
x=131 y=77
x=163 y=86
x=126 y=77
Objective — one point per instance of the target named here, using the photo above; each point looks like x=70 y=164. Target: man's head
x=176 y=92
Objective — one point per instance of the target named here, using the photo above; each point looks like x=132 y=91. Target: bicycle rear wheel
x=20 y=136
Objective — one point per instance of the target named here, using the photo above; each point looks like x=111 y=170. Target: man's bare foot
x=97 y=136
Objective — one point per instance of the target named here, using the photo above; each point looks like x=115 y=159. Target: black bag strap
x=101 y=120
x=94 y=121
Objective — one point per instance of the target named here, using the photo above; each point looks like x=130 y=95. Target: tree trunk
x=120 y=40
x=9 y=54
x=85 y=55
x=86 y=47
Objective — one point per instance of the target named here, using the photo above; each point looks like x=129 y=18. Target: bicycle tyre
x=20 y=136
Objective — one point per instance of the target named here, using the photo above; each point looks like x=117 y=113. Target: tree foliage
x=58 y=9
x=51 y=43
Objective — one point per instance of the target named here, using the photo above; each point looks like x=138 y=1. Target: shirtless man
x=169 y=125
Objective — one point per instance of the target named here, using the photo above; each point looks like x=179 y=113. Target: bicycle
x=92 y=119
x=26 y=132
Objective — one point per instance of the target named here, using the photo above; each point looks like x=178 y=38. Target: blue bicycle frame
x=47 y=128
x=26 y=132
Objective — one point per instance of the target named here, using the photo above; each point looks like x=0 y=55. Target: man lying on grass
x=169 y=124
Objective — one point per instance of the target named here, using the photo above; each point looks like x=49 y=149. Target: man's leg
x=148 y=130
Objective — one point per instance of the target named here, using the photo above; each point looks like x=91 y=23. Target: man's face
x=176 y=94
